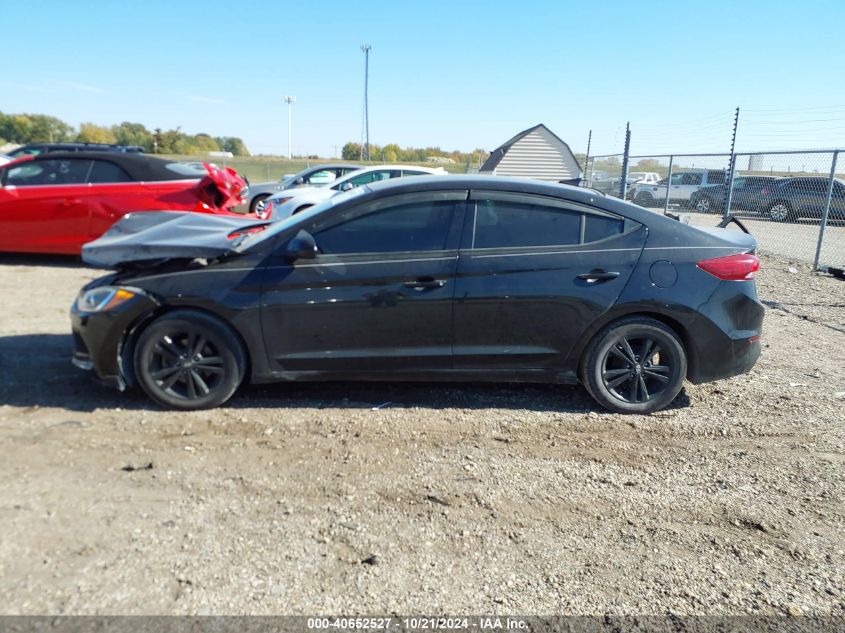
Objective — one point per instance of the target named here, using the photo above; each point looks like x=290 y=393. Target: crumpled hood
x=157 y=235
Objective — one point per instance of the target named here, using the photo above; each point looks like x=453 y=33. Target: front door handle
x=421 y=283
x=598 y=275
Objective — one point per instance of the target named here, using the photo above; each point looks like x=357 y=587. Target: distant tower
x=755 y=162
x=290 y=101
x=365 y=126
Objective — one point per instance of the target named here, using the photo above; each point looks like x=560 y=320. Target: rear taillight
x=738 y=267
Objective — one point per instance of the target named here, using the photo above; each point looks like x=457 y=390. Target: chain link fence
x=792 y=202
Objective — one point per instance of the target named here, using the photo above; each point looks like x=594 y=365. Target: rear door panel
x=525 y=308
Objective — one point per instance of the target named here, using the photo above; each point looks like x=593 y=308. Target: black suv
x=42 y=148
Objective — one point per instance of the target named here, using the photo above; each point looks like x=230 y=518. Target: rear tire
x=634 y=365
x=780 y=212
x=644 y=200
x=189 y=360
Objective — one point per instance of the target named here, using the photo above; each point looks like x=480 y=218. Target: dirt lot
x=451 y=499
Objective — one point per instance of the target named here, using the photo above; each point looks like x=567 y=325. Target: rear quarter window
x=599 y=227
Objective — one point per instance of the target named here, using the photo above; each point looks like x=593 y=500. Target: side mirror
x=346 y=186
x=300 y=181
x=301 y=246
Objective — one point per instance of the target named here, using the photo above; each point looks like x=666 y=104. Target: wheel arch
x=669 y=321
x=258 y=197
x=129 y=340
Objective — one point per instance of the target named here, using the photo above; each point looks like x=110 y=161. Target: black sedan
x=428 y=278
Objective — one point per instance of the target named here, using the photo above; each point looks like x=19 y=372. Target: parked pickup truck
x=679 y=189
x=611 y=185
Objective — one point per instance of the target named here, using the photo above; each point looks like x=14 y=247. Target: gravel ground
x=303 y=499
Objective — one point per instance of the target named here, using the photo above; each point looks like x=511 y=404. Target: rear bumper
x=726 y=338
x=725 y=360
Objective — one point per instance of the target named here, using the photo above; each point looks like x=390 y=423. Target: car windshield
x=275 y=228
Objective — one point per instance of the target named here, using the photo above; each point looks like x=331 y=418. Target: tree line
x=41 y=128
x=392 y=153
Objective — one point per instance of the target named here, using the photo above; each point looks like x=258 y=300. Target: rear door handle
x=421 y=283
x=598 y=275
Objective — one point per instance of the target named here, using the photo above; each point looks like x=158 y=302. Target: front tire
x=189 y=360
x=258 y=202
x=704 y=204
x=634 y=365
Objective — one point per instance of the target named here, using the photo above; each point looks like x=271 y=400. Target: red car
x=56 y=202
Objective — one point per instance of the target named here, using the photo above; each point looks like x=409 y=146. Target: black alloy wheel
x=636 y=365
x=189 y=360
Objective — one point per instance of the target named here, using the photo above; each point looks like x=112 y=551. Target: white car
x=679 y=190
x=5 y=159
x=286 y=203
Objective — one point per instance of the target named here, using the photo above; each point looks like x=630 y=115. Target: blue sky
x=458 y=75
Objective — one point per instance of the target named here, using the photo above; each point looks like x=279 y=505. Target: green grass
x=272 y=168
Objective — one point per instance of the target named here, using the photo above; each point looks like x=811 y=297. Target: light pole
x=290 y=101
x=365 y=130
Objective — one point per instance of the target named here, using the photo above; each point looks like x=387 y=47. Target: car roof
x=528 y=186
x=330 y=166
x=664 y=231
x=141 y=167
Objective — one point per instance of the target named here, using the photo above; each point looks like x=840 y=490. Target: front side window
x=322 y=177
x=502 y=224
x=420 y=226
x=48 y=172
x=690 y=179
x=370 y=176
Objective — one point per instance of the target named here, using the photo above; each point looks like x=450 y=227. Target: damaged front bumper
x=100 y=338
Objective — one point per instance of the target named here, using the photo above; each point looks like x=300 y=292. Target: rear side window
x=715 y=177
x=422 y=226
x=501 y=224
x=103 y=172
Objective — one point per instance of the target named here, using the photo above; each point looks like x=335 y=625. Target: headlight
x=102 y=299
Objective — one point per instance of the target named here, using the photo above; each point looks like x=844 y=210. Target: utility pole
x=365 y=129
x=290 y=101
x=587 y=175
x=731 y=167
x=623 y=181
